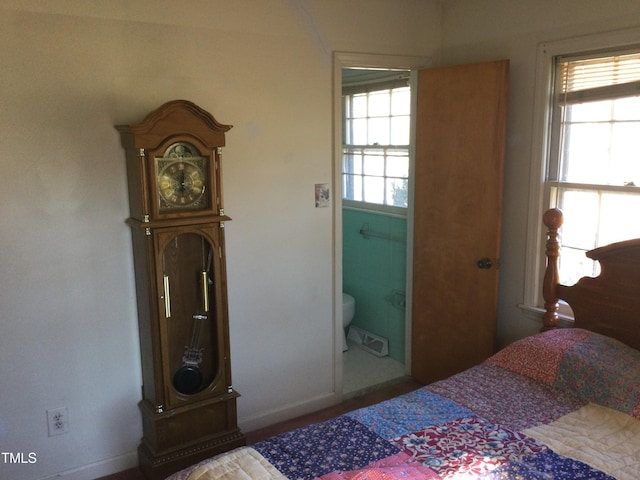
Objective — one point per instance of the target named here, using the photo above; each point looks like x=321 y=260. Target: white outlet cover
x=57 y=421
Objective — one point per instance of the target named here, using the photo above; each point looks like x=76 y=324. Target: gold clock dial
x=182 y=177
x=182 y=184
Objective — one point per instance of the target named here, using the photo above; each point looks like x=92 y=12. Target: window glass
x=373 y=189
x=359 y=131
x=626 y=108
x=599 y=146
x=595 y=155
x=397 y=192
x=620 y=217
x=380 y=103
x=378 y=131
x=400 y=130
x=359 y=106
x=578 y=206
x=401 y=102
x=375 y=161
x=398 y=164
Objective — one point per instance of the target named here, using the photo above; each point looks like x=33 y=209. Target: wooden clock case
x=179 y=260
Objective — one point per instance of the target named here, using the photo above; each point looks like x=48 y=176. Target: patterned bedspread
x=563 y=404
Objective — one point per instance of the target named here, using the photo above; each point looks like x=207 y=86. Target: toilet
x=348 y=311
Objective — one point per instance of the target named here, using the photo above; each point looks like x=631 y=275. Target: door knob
x=485 y=263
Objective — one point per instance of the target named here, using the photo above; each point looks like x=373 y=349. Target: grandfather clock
x=177 y=222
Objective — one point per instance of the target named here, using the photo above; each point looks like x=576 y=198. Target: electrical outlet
x=58 y=421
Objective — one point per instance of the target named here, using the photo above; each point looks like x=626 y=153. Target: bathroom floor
x=363 y=371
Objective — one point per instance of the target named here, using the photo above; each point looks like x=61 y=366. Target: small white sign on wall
x=322 y=195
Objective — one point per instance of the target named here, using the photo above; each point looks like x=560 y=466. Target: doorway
x=459 y=180
x=365 y=236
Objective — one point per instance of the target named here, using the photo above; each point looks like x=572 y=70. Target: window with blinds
x=593 y=168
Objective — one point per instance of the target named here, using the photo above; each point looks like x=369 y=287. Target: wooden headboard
x=609 y=303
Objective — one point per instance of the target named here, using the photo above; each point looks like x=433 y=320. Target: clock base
x=178 y=438
x=159 y=467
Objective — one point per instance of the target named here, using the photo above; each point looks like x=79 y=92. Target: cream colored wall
x=73 y=69
x=482 y=30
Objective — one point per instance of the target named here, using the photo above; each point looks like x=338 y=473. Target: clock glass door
x=190 y=301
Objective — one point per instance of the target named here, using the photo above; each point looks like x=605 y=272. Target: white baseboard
x=287 y=412
x=98 y=469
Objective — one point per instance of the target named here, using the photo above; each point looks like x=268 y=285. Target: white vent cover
x=368 y=341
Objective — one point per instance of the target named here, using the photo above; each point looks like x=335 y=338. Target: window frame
x=535 y=259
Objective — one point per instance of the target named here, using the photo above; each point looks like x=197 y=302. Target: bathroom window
x=375 y=155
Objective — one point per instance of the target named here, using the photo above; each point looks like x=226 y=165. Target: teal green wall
x=372 y=269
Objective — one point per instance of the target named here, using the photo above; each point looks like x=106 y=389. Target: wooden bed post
x=553 y=220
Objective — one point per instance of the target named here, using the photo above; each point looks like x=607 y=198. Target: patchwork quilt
x=563 y=404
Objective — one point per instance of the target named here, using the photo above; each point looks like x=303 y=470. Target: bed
x=562 y=404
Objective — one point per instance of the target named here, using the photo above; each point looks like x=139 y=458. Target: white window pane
x=348 y=132
x=359 y=105
x=594 y=219
x=380 y=103
x=397 y=192
x=625 y=154
x=374 y=165
x=620 y=217
x=346 y=107
x=627 y=109
x=590 y=111
x=347 y=163
x=574 y=265
x=374 y=190
x=580 y=208
x=357 y=163
x=378 y=131
x=352 y=163
x=347 y=187
x=400 y=130
x=352 y=187
x=359 y=132
x=401 y=101
x=397 y=166
x=587 y=153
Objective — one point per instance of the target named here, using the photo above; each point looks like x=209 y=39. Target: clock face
x=181 y=184
x=182 y=177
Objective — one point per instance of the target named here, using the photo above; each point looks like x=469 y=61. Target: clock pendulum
x=188 y=378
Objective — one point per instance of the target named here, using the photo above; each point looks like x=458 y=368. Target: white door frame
x=366 y=60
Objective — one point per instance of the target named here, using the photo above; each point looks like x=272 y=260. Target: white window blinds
x=588 y=79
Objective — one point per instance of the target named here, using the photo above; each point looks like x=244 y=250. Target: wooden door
x=461 y=123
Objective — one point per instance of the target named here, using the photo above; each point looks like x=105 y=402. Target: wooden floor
x=370 y=398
